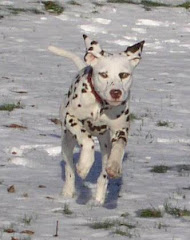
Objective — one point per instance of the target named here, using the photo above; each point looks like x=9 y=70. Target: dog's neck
x=94 y=92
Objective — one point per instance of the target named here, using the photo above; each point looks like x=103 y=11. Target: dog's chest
x=95 y=116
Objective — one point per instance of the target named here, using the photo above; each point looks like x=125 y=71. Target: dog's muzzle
x=116 y=94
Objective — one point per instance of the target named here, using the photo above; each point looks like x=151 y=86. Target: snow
x=30 y=158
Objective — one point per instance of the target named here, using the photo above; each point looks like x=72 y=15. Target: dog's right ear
x=93 y=51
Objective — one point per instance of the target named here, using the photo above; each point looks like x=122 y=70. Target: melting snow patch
x=139 y=30
x=101 y=20
x=172 y=41
x=185 y=45
x=43 y=18
x=167 y=140
x=130 y=38
x=63 y=17
x=53 y=151
x=121 y=42
x=93 y=29
x=21 y=162
x=7 y=3
x=148 y=22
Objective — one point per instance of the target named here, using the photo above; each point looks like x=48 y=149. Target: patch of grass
x=184 y=188
x=121 y=1
x=98 y=4
x=66 y=210
x=122 y=233
x=17 y=11
x=160 y=169
x=147 y=3
x=149 y=213
x=126 y=214
x=10 y=106
x=74 y=3
x=27 y=220
x=107 y=224
x=162 y=226
x=177 y=212
x=182 y=167
x=162 y=124
x=133 y=117
x=184 y=5
x=53 y=7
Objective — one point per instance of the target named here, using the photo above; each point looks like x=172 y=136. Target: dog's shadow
x=84 y=187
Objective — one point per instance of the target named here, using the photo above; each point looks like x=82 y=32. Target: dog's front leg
x=86 y=142
x=102 y=182
x=119 y=141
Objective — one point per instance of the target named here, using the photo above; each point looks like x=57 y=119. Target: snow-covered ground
x=30 y=157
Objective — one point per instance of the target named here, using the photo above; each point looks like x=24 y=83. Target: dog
x=97 y=104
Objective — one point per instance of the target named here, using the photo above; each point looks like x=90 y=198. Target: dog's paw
x=114 y=170
x=82 y=172
x=68 y=192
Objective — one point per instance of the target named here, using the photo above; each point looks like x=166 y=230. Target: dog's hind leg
x=102 y=182
x=68 y=144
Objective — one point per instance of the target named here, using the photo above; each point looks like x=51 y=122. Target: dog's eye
x=123 y=75
x=103 y=74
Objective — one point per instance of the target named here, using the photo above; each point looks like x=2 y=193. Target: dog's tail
x=61 y=52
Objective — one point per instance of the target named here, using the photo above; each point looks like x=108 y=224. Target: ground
x=33 y=83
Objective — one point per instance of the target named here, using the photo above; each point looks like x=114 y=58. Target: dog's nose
x=115 y=93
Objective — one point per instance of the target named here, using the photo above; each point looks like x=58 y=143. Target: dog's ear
x=134 y=53
x=93 y=51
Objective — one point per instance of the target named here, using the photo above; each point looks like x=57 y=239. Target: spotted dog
x=97 y=104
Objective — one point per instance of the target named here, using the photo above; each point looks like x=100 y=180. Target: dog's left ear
x=134 y=53
x=93 y=51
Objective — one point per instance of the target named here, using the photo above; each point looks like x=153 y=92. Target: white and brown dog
x=97 y=104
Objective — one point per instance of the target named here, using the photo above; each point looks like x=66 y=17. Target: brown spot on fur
x=85 y=85
x=123 y=138
x=94 y=42
x=127 y=111
x=67 y=104
x=84 y=90
x=84 y=36
x=69 y=93
x=75 y=96
x=102 y=52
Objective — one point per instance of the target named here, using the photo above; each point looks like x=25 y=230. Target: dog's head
x=112 y=73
